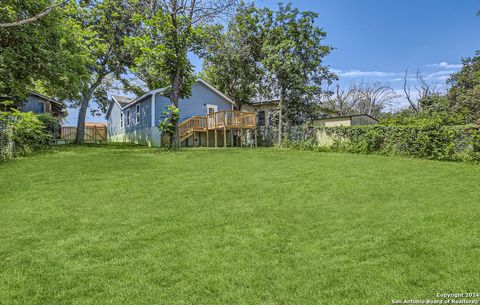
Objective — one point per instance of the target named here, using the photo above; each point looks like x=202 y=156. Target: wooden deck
x=227 y=122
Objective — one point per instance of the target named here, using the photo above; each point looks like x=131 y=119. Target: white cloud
x=358 y=73
x=440 y=75
x=445 y=65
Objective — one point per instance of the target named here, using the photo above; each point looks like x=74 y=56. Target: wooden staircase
x=192 y=125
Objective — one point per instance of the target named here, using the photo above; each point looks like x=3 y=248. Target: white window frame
x=128 y=117
x=137 y=114
x=215 y=107
x=122 y=120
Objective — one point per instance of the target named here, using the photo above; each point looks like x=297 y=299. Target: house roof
x=346 y=116
x=266 y=102
x=52 y=100
x=121 y=100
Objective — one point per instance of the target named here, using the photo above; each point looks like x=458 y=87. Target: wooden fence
x=93 y=134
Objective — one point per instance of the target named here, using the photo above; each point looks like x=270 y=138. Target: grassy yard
x=131 y=225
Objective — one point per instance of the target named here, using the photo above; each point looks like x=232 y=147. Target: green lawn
x=131 y=225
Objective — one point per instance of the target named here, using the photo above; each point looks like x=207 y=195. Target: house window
x=261 y=118
x=138 y=113
x=128 y=117
x=211 y=108
x=121 y=119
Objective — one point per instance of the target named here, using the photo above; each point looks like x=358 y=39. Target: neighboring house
x=137 y=120
x=39 y=103
x=264 y=110
x=346 y=120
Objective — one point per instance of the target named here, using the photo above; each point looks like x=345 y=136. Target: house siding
x=195 y=105
x=34 y=104
x=113 y=121
x=145 y=115
x=161 y=105
x=144 y=132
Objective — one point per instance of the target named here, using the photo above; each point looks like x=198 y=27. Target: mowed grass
x=132 y=225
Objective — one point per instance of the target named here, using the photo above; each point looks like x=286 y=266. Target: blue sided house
x=37 y=103
x=207 y=118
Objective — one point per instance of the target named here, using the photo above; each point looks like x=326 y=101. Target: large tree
x=464 y=94
x=232 y=59
x=293 y=59
x=102 y=25
x=44 y=55
x=17 y=18
x=169 y=32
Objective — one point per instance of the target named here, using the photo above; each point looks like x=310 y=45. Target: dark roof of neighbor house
x=346 y=116
x=266 y=102
x=52 y=100
x=122 y=100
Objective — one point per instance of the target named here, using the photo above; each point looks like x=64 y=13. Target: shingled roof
x=122 y=100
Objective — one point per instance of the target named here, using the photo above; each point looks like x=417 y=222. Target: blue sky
x=379 y=39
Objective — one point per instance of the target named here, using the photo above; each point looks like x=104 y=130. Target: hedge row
x=448 y=143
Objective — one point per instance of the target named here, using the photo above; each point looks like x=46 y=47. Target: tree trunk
x=82 y=113
x=175 y=136
x=79 y=138
x=280 y=121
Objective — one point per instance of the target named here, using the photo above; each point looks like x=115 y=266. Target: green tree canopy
x=464 y=94
x=168 y=32
x=233 y=58
x=102 y=26
x=44 y=55
x=293 y=60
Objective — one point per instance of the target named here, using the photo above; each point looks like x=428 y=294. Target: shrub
x=449 y=143
x=425 y=119
x=21 y=133
x=52 y=124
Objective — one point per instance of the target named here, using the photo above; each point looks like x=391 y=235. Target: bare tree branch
x=34 y=18
x=374 y=97
x=406 y=90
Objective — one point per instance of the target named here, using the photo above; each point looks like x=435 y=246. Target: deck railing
x=231 y=119
x=219 y=120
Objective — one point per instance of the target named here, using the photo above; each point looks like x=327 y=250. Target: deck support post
x=241 y=137
x=207 y=136
x=224 y=136
x=231 y=138
x=194 y=138
x=255 y=131
x=216 y=137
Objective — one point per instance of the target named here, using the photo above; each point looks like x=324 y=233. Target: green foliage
x=171 y=117
x=464 y=95
x=52 y=124
x=232 y=59
x=293 y=57
x=424 y=119
x=44 y=55
x=22 y=133
x=160 y=49
x=447 y=143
